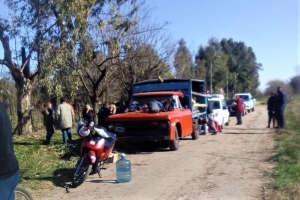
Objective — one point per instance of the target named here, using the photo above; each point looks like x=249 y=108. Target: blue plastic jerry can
x=123 y=168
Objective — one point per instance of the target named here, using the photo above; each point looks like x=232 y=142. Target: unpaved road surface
x=227 y=166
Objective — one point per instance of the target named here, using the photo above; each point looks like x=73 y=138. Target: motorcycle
x=95 y=149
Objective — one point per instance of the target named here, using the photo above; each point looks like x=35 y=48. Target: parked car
x=248 y=99
x=231 y=108
x=220 y=110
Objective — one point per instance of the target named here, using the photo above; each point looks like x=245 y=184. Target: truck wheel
x=195 y=134
x=227 y=123
x=174 y=144
x=249 y=110
x=252 y=109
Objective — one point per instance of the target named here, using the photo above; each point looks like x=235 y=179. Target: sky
x=269 y=27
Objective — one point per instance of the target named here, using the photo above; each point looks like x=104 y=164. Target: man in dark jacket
x=102 y=114
x=270 y=109
x=279 y=107
x=9 y=167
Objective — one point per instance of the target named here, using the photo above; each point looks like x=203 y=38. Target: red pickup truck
x=183 y=120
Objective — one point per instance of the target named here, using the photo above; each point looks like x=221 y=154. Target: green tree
x=214 y=61
x=183 y=62
x=51 y=33
x=242 y=66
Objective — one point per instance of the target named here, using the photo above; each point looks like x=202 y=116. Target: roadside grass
x=286 y=173
x=45 y=166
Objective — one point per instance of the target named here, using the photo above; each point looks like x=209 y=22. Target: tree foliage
x=232 y=64
x=295 y=84
x=183 y=62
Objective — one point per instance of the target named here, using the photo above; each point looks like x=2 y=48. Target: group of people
x=276 y=105
x=109 y=109
x=63 y=118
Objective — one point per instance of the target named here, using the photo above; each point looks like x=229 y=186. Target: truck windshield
x=142 y=100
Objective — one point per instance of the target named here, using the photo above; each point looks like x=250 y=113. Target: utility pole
x=210 y=75
x=227 y=83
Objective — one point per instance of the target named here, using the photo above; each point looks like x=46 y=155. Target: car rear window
x=215 y=104
x=245 y=97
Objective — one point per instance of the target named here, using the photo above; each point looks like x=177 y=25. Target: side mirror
x=225 y=107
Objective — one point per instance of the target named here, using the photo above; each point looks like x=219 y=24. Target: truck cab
x=183 y=120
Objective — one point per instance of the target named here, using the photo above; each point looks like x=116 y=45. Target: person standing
x=65 y=118
x=239 y=109
x=210 y=117
x=279 y=107
x=48 y=121
x=73 y=110
x=270 y=108
x=9 y=166
x=88 y=115
x=122 y=108
x=112 y=108
x=102 y=114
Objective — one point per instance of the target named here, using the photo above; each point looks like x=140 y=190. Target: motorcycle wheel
x=84 y=171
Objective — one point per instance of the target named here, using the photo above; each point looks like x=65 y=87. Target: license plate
x=120 y=129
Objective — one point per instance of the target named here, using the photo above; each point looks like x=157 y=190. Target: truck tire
x=174 y=144
x=228 y=121
x=195 y=133
x=252 y=109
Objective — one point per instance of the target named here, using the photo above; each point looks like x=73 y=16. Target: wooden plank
x=200 y=94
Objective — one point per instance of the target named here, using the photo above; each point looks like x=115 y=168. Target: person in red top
x=239 y=109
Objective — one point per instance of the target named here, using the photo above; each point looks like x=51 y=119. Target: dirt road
x=227 y=166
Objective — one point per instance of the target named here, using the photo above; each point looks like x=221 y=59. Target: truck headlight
x=163 y=125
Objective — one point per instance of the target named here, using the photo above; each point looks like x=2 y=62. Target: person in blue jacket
x=279 y=107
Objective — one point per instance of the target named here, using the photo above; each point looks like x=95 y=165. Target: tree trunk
x=24 y=107
x=24 y=85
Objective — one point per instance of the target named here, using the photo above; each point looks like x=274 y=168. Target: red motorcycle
x=95 y=149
